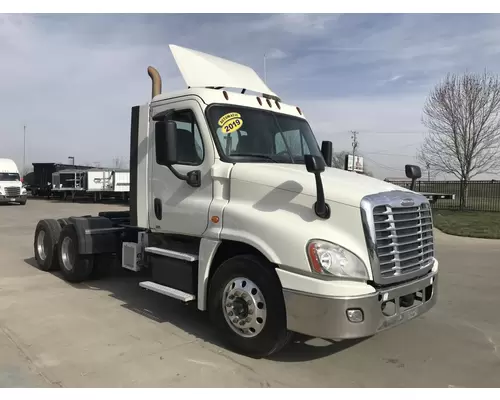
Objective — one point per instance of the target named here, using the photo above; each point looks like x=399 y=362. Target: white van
x=11 y=186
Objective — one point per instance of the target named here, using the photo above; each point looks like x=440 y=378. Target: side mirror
x=327 y=151
x=171 y=143
x=314 y=164
x=413 y=172
x=166 y=142
x=166 y=152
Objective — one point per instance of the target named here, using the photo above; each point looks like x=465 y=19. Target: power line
x=383 y=165
x=389 y=154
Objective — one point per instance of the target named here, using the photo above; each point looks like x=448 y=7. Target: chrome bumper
x=326 y=317
x=12 y=199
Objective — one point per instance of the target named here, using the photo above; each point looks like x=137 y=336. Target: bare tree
x=338 y=159
x=461 y=114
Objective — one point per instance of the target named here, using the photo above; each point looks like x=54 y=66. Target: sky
x=72 y=79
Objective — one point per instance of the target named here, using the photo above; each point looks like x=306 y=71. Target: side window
x=294 y=140
x=190 y=149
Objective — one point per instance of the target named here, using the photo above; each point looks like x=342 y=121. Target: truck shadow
x=123 y=285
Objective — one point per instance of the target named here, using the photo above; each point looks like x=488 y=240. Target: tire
x=47 y=234
x=63 y=222
x=75 y=267
x=271 y=335
x=23 y=203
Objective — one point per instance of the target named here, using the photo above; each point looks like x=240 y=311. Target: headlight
x=23 y=190
x=330 y=259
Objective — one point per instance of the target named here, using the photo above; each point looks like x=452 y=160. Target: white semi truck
x=11 y=183
x=235 y=207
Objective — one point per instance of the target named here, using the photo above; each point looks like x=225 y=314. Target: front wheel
x=246 y=303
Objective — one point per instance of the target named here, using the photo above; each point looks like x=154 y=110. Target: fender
x=96 y=235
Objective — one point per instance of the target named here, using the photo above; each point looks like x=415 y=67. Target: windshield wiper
x=254 y=155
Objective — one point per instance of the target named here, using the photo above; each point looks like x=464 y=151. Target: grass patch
x=468 y=223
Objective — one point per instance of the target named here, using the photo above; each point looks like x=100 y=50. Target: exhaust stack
x=156 y=81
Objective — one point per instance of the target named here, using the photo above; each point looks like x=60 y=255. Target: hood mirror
x=413 y=172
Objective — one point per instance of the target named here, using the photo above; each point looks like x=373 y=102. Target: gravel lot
x=111 y=333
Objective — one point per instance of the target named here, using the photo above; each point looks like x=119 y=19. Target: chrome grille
x=400 y=236
x=12 y=191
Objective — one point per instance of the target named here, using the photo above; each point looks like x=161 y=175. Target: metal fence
x=481 y=195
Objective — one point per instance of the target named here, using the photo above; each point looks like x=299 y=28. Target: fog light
x=355 y=315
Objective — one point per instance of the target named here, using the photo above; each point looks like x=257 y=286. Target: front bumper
x=326 y=317
x=13 y=199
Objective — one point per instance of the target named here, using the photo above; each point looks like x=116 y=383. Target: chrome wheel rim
x=244 y=307
x=40 y=245
x=67 y=255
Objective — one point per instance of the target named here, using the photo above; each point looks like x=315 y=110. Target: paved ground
x=111 y=333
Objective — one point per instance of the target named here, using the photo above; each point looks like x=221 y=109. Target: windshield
x=9 y=176
x=246 y=134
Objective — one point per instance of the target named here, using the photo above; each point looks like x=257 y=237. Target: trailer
x=103 y=183
x=263 y=234
x=69 y=182
x=40 y=185
x=433 y=197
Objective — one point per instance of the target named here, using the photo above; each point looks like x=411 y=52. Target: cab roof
x=215 y=80
x=226 y=97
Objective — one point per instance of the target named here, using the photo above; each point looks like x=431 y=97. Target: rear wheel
x=75 y=267
x=246 y=303
x=46 y=238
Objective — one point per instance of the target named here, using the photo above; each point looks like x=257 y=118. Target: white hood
x=339 y=185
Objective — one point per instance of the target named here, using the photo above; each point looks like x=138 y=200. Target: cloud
x=73 y=78
x=275 y=54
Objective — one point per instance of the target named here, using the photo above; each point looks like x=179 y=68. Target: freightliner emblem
x=407 y=203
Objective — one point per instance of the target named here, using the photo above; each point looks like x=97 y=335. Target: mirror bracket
x=316 y=165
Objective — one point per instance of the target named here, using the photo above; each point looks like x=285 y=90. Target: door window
x=190 y=149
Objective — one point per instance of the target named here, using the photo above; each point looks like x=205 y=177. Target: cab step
x=168 y=291
x=172 y=254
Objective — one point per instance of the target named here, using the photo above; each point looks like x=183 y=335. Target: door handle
x=158 y=209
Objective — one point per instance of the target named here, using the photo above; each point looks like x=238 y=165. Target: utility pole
x=428 y=172
x=24 y=153
x=354 y=146
x=265 y=69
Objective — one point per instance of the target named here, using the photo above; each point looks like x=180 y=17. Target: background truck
x=11 y=185
x=234 y=208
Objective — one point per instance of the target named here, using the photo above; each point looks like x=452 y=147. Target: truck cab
x=11 y=185
x=234 y=206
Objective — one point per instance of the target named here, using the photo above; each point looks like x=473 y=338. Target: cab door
x=175 y=206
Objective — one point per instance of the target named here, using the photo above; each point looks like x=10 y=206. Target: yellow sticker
x=230 y=122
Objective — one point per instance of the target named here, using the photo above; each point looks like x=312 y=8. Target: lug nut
x=244 y=295
x=250 y=311
x=242 y=323
x=235 y=320
x=249 y=302
x=230 y=313
x=231 y=297
x=249 y=319
x=229 y=304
